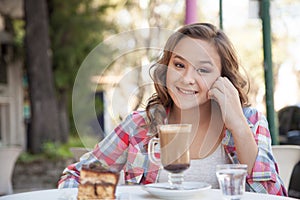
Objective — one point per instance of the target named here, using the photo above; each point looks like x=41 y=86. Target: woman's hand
x=227 y=96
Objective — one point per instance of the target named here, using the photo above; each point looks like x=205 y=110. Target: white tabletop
x=128 y=193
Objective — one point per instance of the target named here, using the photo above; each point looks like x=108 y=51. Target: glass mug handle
x=151 y=150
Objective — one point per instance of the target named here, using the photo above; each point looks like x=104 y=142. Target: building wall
x=11 y=108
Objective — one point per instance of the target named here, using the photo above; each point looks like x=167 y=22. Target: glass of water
x=232 y=180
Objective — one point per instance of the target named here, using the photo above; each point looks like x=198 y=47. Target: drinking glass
x=232 y=179
x=174 y=140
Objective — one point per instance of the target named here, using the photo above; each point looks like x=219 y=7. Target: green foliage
x=27 y=157
x=19 y=31
x=76 y=27
x=52 y=151
x=99 y=106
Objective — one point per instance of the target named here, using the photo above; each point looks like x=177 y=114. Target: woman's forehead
x=196 y=50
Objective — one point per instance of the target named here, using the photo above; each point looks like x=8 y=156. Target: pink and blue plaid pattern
x=126 y=148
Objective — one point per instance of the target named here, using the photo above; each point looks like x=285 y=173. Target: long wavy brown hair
x=160 y=100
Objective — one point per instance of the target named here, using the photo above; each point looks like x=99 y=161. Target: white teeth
x=186 y=91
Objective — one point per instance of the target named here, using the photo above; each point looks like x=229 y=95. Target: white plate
x=157 y=189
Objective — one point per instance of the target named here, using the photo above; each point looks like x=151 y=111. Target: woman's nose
x=188 y=76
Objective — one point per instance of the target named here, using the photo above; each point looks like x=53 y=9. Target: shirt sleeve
x=264 y=177
x=110 y=152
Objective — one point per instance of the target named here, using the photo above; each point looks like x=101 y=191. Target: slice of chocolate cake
x=97 y=182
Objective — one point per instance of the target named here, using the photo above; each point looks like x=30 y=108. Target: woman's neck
x=198 y=116
x=207 y=126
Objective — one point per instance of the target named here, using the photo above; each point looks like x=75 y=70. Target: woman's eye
x=179 y=65
x=202 y=70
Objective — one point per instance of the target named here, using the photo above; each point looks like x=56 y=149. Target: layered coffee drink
x=174 y=147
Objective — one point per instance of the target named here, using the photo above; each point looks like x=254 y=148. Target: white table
x=128 y=193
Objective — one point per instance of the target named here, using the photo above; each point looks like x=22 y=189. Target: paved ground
x=38 y=175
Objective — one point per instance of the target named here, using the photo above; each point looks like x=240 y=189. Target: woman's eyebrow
x=179 y=57
x=205 y=62
x=201 y=62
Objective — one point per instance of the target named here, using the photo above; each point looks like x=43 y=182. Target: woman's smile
x=186 y=91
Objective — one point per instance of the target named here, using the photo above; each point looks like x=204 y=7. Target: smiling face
x=193 y=68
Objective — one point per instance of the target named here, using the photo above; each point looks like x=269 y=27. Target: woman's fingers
x=223 y=83
x=226 y=95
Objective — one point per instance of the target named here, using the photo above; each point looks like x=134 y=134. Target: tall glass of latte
x=174 y=140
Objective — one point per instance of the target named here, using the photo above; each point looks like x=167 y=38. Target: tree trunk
x=44 y=108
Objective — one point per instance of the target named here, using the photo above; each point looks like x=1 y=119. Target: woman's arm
x=265 y=169
x=111 y=153
x=227 y=96
x=252 y=145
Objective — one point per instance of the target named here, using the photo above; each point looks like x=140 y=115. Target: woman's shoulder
x=138 y=117
x=248 y=111
x=253 y=114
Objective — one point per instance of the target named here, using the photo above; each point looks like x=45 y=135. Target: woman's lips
x=186 y=91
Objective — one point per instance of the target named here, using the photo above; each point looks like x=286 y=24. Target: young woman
x=197 y=81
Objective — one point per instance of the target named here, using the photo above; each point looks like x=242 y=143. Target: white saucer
x=195 y=189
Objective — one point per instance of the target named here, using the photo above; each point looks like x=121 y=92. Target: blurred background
x=44 y=43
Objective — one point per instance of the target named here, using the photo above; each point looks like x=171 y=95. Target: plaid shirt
x=126 y=148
